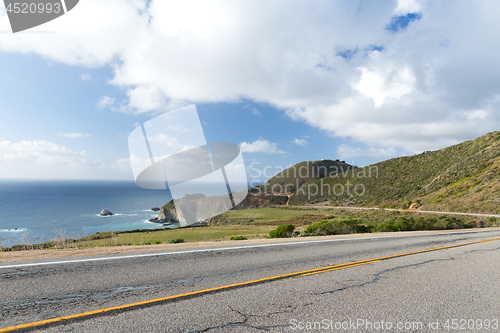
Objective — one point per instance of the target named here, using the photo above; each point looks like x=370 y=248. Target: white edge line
x=232 y=248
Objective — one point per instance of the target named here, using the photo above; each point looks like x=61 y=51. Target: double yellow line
x=130 y=306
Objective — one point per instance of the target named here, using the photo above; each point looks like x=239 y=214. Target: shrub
x=405 y=224
x=363 y=229
x=283 y=231
x=388 y=227
x=492 y=221
x=158 y=242
x=439 y=225
x=238 y=238
x=326 y=227
x=421 y=224
x=99 y=235
x=176 y=240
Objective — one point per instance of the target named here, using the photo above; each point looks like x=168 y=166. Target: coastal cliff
x=168 y=213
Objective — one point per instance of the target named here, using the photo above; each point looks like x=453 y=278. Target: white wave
x=13 y=230
x=117 y=214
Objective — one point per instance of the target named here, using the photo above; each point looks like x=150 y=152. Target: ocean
x=38 y=211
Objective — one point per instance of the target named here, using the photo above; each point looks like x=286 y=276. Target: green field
x=189 y=234
x=258 y=222
x=251 y=223
x=271 y=215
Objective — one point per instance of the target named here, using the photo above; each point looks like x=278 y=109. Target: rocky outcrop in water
x=168 y=213
x=106 y=212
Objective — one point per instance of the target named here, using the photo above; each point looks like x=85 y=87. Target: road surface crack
x=480 y=250
x=246 y=317
x=379 y=275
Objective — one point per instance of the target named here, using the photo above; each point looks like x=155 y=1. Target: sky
x=288 y=81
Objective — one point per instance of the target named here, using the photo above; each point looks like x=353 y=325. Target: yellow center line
x=334 y=269
x=230 y=286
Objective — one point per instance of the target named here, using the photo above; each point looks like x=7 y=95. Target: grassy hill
x=462 y=178
x=291 y=179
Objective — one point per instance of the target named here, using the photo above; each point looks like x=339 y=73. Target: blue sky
x=43 y=100
x=287 y=81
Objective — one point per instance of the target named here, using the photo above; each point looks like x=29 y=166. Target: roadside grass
x=189 y=234
x=259 y=222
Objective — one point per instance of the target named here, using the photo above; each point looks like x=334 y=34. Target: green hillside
x=293 y=178
x=462 y=178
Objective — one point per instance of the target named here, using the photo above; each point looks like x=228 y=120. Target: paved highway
x=416 y=283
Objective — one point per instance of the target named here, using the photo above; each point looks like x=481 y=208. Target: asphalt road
x=312 y=288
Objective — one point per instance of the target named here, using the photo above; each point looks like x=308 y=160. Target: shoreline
x=26 y=255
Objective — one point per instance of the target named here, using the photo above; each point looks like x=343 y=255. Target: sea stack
x=155 y=209
x=105 y=212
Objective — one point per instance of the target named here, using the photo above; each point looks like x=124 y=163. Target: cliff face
x=168 y=213
x=200 y=208
x=209 y=206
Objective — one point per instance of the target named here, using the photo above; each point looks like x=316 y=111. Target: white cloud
x=85 y=77
x=106 y=102
x=347 y=151
x=261 y=146
x=40 y=157
x=300 y=142
x=382 y=85
x=42 y=152
x=255 y=112
x=93 y=34
x=121 y=164
x=234 y=167
x=165 y=140
x=407 y=6
x=478 y=114
x=253 y=109
x=72 y=135
x=420 y=89
x=45 y=159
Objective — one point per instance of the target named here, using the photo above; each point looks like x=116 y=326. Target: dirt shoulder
x=99 y=251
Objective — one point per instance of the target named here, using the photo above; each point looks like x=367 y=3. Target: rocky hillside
x=463 y=178
x=290 y=180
